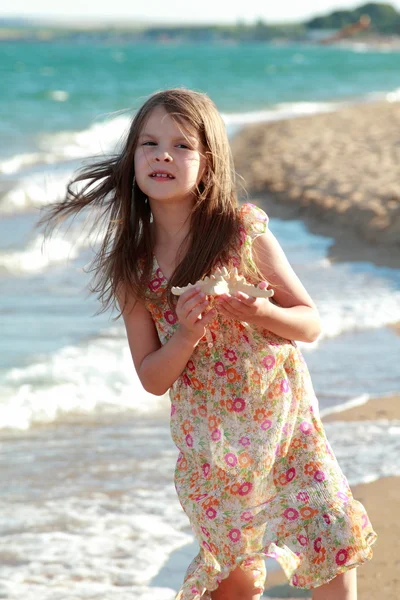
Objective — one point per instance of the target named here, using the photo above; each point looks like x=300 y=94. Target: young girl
x=255 y=473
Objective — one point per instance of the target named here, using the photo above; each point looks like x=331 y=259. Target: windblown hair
x=125 y=258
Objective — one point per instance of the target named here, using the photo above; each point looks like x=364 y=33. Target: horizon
x=176 y=13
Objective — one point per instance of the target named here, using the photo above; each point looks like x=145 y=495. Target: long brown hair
x=125 y=258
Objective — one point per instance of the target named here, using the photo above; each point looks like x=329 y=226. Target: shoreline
x=339 y=172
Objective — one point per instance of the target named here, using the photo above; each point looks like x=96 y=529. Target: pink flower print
x=230 y=459
x=265 y=425
x=342 y=496
x=211 y=512
x=189 y=440
x=303 y=540
x=295 y=580
x=206 y=546
x=341 y=556
x=235 y=535
x=206 y=469
x=186 y=379
x=238 y=404
x=230 y=355
x=284 y=386
x=245 y=488
x=170 y=317
x=290 y=474
x=318 y=544
x=268 y=361
x=244 y=441
x=327 y=519
x=319 y=476
x=190 y=365
x=219 y=369
x=364 y=521
x=173 y=409
x=242 y=235
x=200 y=497
x=216 y=435
x=154 y=284
x=306 y=427
x=291 y=514
x=246 y=515
x=205 y=531
x=159 y=274
x=246 y=339
x=303 y=497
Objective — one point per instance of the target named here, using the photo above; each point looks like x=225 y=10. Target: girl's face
x=169 y=159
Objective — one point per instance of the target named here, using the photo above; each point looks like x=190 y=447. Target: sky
x=177 y=11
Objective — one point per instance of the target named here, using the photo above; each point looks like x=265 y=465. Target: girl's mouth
x=162 y=176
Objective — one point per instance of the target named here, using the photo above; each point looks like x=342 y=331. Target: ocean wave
x=94 y=378
x=40 y=254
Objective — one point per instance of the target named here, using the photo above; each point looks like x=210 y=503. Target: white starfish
x=225 y=282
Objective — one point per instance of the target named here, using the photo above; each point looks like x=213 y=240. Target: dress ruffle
x=305 y=569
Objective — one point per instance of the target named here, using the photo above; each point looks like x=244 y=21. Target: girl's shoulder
x=254 y=220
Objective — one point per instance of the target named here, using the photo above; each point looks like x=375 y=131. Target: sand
x=339 y=171
x=379 y=578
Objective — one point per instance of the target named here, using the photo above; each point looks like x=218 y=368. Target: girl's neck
x=171 y=224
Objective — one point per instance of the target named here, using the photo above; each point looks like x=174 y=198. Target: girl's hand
x=192 y=318
x=243 y=307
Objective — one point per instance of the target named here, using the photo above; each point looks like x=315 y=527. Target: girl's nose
x=163 y=155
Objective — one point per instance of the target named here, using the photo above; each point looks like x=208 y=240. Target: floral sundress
x=255 y=473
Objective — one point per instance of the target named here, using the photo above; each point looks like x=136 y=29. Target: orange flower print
x=202 y=410
x=197 y=385
x=213 y=422
x=232 y=375
x=307 y=512
x=234 y=488
x=245 y=460
x=320 y=558
x=186 y=426
x=255 y=377
x=310 y=468
x=260 y=414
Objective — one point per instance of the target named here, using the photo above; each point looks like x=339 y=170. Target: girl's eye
x=184 y=146
x=148 y=143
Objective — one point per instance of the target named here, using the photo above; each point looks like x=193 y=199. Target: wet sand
x=339 y=172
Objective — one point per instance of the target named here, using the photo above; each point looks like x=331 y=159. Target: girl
x=255 y=473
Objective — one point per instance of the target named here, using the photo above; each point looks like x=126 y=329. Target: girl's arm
x=157 y=366
x=296 y=317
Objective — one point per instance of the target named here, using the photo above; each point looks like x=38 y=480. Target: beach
x=90 y=508
x=338 y=171
x=379 y=578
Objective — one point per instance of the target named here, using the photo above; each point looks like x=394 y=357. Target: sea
x=88 y=507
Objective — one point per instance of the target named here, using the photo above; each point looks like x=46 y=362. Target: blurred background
x=309 y=92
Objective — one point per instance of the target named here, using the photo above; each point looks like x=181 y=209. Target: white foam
x=96 y=377
x=366 y=450
x=39 y=255
x=97 y=139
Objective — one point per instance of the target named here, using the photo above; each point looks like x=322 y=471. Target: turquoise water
x=100 y=79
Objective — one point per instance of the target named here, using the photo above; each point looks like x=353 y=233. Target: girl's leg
x=238 y=586
x=343 y=587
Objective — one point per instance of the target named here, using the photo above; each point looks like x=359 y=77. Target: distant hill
x=384 y=18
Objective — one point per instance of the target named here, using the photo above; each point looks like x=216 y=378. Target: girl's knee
x=239 y=585
x=342 y=587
